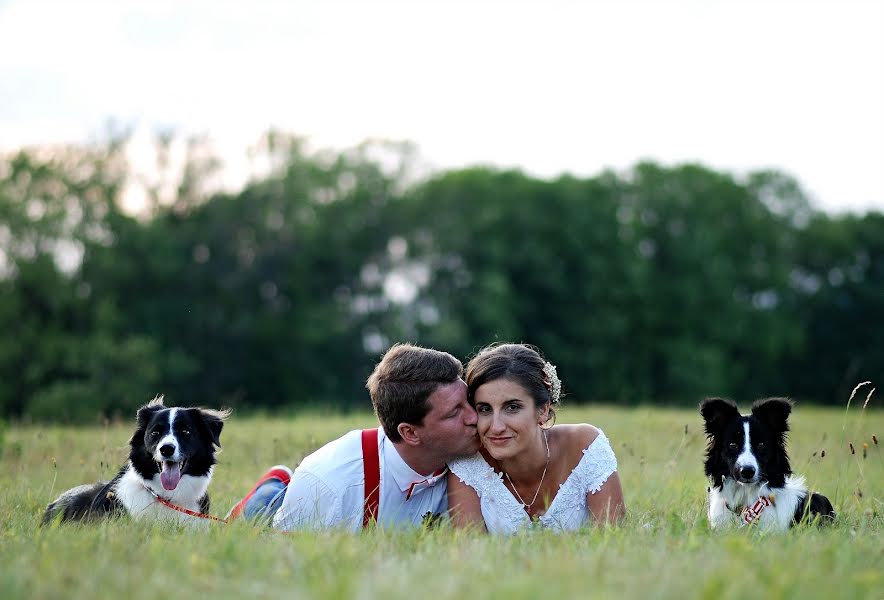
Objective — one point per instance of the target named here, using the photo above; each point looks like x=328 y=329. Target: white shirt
x=328 y=489
x=504 y=514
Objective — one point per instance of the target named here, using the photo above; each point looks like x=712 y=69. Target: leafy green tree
x=837 y=284
x=656 y=284
x=62 y=356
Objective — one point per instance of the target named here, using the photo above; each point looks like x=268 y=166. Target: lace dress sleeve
x=597 y=464
x=500 y=510
x=474 y=472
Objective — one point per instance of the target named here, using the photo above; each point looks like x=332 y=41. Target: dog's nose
x=747 y=472
x=167 y=450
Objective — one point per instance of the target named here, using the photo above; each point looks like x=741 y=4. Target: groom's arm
x=464 y=506
x=309 y=504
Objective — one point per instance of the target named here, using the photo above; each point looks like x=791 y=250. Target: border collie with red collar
x=746 y=460
x=171 y=458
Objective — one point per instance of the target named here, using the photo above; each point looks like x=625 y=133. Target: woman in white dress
x=529 y=473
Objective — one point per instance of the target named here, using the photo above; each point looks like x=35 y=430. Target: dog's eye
x=185 y=432
x=761 y=445
x=154 y=434
x=732 y=446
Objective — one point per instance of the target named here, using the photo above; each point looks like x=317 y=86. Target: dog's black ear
x=774 y=412
x=147 y=411
x=214 y=420
x=717 y=412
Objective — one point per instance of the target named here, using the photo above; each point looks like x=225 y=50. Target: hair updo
x=520 y=363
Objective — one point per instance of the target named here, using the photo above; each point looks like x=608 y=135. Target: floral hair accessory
x=552 y=381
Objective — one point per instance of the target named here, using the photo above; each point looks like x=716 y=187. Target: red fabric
x=751 y=513
x=279 y=474
x=372 y=467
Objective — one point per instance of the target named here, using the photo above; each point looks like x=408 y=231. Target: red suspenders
x=372 y=467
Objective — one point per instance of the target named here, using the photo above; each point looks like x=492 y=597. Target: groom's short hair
x=403 y=381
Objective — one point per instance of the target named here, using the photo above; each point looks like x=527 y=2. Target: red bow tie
x=425 y=483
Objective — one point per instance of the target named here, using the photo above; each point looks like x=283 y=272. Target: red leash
x=181 y=509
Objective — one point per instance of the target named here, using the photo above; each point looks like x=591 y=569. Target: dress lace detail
x=568 y=511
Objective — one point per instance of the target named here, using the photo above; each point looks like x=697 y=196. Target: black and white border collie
x=746 y=460
x=171 y=455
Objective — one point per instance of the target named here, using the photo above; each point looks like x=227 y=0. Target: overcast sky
x=547 y=86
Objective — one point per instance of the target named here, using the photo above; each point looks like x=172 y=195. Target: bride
x=528 y=473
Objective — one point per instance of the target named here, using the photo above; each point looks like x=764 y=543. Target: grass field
x=663 y=550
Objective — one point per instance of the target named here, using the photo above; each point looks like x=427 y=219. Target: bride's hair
x=520 y=363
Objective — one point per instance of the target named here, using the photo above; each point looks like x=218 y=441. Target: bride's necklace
x=526 y=505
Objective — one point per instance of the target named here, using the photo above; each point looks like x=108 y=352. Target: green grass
x=664 y=549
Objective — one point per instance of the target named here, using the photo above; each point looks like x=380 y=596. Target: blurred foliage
x=659 y=284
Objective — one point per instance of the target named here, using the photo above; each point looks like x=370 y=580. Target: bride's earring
x=550 y=420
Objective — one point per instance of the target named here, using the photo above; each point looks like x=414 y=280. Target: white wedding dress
x=504 y=514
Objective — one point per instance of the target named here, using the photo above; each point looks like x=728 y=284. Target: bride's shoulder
x=579 y=436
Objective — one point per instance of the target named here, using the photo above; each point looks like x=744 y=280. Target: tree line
x=659 y=284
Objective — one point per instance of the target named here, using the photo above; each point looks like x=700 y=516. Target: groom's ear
x=408 y=433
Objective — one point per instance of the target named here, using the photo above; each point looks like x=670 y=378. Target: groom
x=395 y=474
